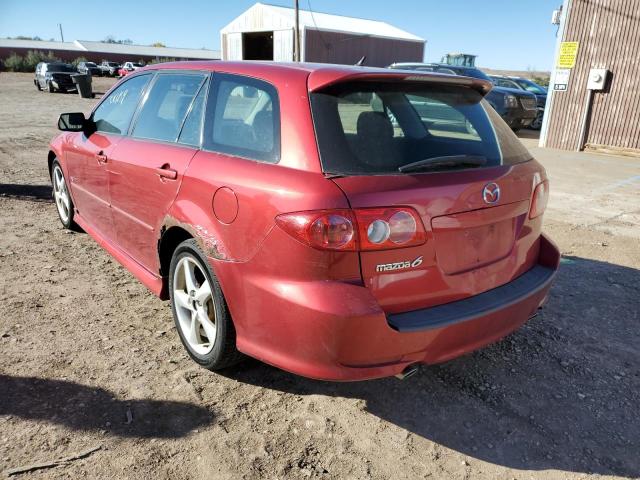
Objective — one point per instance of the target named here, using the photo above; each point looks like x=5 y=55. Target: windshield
x=60 y=67
x=506 y=83
x=531 y=87
x=378 y=128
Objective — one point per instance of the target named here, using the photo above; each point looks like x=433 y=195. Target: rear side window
x=114 y=113
x=377 y=128
x=166 y=106
x=246 y=119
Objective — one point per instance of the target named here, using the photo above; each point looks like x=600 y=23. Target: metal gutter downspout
x=566 y=6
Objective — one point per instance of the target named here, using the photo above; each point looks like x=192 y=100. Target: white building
x=266 y=32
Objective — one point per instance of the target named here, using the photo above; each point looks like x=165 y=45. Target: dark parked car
x=109 y=69
x=54 y=77
x=89 y=67
x=540 y=93
x=516 y=107
x=339 y=222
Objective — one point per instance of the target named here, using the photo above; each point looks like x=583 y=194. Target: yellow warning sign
x=568 y=54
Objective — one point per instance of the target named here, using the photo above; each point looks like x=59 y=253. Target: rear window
x=378 y=128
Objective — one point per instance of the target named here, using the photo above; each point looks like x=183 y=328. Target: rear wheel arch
x=169 y=240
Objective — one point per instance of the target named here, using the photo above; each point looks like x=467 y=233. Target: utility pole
x=296 y=48
x=61 y=35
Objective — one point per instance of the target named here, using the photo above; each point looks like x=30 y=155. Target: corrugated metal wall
x=283 y=45
x=609 y=36
x=344 y=48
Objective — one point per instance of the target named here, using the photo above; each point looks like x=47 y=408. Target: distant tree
x=24 y=37
x=112 y=39
x=15 y=63
x=161 y=60
x=542 y=81
x=158 y=44
x=77 y=61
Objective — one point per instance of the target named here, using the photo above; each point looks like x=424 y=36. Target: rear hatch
x=470 y=182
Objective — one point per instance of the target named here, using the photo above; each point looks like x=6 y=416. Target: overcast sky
x=505 y=34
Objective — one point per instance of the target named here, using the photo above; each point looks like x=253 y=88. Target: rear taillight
x=359 y=229
x=386 y=228
x=539 y=200
x=323 y=229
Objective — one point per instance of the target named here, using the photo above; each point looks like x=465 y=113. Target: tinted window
x=246 y=119
x=190 y=134
x=166 y=106
x=368 y=128
x=503 y=82
x=471 y=72
x=115 y=112
x=531 y=87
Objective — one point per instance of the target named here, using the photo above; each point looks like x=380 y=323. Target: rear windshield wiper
x=444 y=161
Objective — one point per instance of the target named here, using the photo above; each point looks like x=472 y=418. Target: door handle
x=101 y=157
x=166 y=172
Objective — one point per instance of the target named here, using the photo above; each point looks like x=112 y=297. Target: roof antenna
x=360 y=62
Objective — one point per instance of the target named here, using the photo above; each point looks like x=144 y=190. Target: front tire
x=537 y=122
x=50 y=87
x=199 y=309
x=62 y=198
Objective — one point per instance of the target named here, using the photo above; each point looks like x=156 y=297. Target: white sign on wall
x=561 y=79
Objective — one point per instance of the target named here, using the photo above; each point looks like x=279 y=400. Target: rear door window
x=377 y=128
x=192 y=128
x=114 y=114
x=166 y=106
x=246 y=118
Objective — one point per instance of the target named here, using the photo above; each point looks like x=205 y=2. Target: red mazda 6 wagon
x=338 y=222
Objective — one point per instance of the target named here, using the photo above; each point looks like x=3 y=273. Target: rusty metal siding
x=609 y=36
x=345 y=48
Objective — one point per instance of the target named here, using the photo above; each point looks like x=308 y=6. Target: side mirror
x=72 y=122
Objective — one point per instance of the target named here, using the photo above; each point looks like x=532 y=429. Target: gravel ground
x=89 y=358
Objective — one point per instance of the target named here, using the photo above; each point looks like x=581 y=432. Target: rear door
x=89 y=157
x=147 y=167
x=478 y=235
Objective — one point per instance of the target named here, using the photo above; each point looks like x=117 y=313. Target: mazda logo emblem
x=491 y=193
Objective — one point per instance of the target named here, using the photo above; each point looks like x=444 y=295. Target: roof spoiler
x=320 y=79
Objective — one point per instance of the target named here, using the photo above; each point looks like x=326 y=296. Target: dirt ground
x=89 y=358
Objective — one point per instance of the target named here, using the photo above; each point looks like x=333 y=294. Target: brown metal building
x=266 y=32
x=608 y=36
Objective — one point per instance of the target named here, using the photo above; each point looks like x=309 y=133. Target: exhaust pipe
x=408 y=371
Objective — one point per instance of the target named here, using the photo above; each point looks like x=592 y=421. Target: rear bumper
x=476 y=307
x=337 y=331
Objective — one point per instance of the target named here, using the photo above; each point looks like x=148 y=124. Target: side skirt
x=151 y=281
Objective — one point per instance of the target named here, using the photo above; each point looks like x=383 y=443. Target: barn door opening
x=257 y=46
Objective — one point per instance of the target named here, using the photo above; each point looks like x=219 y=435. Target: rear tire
x=200 y=310
x=37 y=83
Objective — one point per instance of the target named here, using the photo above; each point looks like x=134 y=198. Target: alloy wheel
x=61 y=194
x=194 y=305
